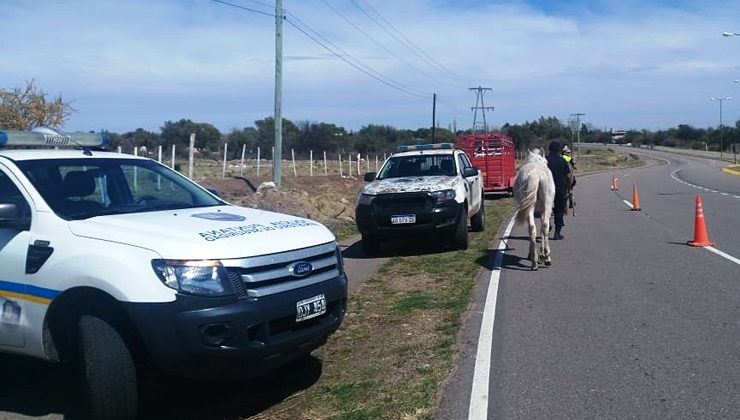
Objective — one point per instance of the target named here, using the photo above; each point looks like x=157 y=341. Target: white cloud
x=138 y=63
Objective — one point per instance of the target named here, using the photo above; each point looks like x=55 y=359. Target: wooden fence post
x=190 y=155
x=292 y=156
x=241 y=165
x=226 y=149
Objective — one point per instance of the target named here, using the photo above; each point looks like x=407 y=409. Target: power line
x=270 y=6
x=244 y=8
x=376 y=42
x=406 y=42
x=342 y=55
x=349 y=59
x=452 y=108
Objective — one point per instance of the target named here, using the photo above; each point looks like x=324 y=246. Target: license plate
x=310 y=308
x=403 y=219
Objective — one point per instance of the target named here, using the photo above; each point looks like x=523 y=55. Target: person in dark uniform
x=561 y=174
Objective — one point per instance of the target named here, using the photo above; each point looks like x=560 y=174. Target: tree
x=237 y=139
x=266 y=131
x=140 y=138
x=28 y=107
x=207 y=137
x=318 y=137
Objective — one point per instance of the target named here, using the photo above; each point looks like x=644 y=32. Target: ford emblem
x=301 y=269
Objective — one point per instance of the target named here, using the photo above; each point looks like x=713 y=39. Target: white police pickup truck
x=424 y=190
x=121 y=264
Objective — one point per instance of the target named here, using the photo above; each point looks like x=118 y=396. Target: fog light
x=215 y=335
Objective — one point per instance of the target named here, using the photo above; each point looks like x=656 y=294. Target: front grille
x=416 y=202
x=270 y=274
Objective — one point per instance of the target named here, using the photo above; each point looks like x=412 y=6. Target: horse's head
x=535 y=155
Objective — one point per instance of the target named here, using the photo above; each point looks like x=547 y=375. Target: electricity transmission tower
x=479 y=91
x=575 y=129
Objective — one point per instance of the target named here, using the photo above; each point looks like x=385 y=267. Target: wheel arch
x=60 y=324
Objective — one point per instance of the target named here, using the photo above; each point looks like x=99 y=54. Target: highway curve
x=629 y=321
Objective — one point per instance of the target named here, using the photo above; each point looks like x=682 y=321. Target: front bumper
x=374 y=220
x=236 y=338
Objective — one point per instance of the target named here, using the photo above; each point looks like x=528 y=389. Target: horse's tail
x=525 y=190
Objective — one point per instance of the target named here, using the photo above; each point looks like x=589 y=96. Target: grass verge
x=399 y=337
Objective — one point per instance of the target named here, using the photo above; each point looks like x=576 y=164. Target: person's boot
x=557 y=233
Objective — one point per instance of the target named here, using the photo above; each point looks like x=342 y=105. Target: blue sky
x=625 y=64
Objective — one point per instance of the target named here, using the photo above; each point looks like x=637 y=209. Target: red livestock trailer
x=493 y=154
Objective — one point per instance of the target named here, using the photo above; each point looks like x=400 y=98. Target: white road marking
x=723 y=255
x=478 y=409
x=627 y=203
x=675 y=178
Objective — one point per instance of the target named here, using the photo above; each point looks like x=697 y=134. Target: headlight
x=365 y=199
x=201 y=278
x=444 y=195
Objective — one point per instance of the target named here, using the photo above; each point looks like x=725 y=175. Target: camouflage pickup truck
x=429 y=190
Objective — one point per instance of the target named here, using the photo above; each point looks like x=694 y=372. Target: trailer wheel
x=478 y=221
x=107 y=371
x=460 y=237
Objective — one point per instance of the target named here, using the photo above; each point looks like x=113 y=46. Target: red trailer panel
x=493 y=154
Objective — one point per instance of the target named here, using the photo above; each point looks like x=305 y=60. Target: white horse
x=534 y=191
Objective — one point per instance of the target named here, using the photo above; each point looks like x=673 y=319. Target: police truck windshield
x=418 y=165
x=88 y=187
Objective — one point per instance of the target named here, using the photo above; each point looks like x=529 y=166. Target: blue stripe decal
x=27 y=289
x=3 y=138
x=41 y=292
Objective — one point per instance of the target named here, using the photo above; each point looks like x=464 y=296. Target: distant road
x=629 y=321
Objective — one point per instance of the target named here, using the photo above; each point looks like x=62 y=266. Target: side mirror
x=12 y=217
x=214 y=192
x=369 y=176
x=470 y=171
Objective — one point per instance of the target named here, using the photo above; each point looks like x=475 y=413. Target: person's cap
x=566 y=149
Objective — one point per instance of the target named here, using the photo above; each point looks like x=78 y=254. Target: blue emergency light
x=435 y=146
x=51 y=138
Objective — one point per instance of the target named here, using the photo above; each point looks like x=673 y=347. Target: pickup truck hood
x=221 y=232
x=410 y=184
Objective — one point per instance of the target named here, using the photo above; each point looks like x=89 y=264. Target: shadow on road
x=35 y=388
x=399 y=247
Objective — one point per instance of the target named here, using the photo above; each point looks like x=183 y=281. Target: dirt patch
x=326 y=199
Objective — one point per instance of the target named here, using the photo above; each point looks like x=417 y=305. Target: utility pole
x=434 y=112
x=578 y=131
x=479 y=91
x=721 y=128
x=277 y=155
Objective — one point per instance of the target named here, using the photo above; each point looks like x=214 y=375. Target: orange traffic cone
x=700 y=228
x=614 y=183
x=635 y=199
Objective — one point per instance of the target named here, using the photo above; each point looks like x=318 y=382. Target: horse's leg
x=532 y=239
x=545 y=222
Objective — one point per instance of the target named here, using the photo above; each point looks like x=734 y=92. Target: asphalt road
x=629 y=321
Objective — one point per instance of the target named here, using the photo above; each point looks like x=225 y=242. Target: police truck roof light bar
x=409 y=148
x=51 y=138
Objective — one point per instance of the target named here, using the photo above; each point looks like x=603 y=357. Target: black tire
x=108 y=373
x=460 y=238
x=370 y=245
x=478 y=221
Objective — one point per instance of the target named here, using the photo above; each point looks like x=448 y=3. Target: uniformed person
x=561 y=174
